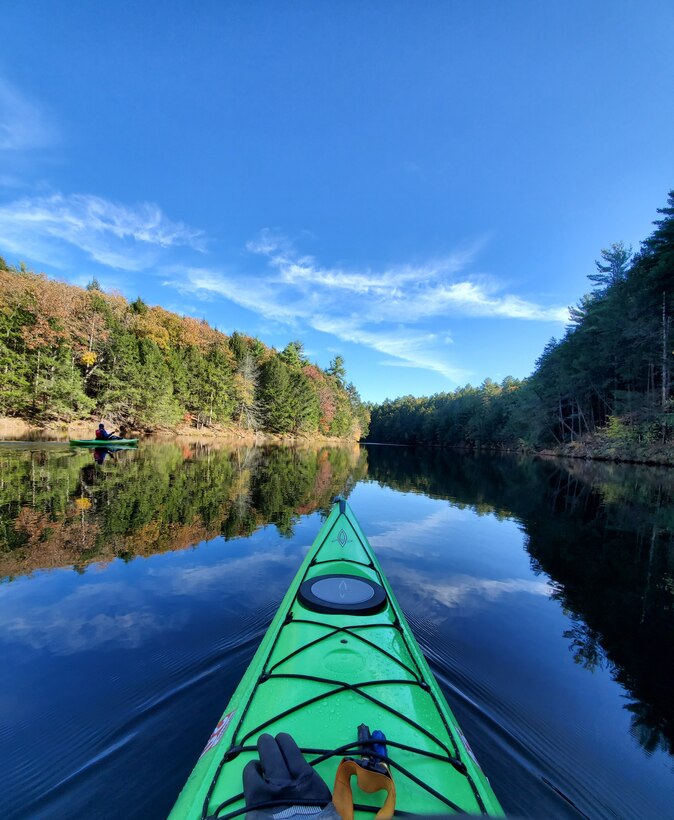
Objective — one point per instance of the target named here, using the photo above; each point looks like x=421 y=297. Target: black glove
x=282 y=777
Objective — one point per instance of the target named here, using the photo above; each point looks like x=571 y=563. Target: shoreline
x=17 y=429
x=648 y=458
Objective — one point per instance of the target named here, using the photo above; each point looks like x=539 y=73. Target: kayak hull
x=318 y=675
x=103 y=442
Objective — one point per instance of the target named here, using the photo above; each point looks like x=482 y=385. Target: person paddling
x=103 y=434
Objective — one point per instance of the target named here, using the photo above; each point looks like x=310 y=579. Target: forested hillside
x=606 y=384
x=71 y=353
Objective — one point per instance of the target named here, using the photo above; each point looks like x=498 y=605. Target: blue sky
x=421 y=187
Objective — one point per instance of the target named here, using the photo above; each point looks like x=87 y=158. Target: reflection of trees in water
x=648 y=727
x=604 y=533
x=611 y=560
x=247 y=459
x=60 y=509
x=585 y=644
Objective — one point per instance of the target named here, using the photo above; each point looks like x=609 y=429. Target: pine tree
x=293 y=355
x=337 y=369
x=617 y=258
x=276 y=397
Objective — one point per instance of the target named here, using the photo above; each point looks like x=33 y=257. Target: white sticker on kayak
x=218 y=732
x=469 y=750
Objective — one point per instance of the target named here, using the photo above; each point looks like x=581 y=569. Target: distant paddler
x=103 y=435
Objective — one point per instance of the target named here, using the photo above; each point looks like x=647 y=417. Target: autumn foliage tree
x=68 y=352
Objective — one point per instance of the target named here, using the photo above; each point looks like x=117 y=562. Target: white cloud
x=409 y=540
x=116 y=236
x=23 y=124
x=403 y=293
x=388 y=310
x=411 y=537
x=268 y=242
x=272 y=562
x=256 y=295
x=387 y=284
x=405 y=346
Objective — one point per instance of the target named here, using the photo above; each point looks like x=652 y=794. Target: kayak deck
x=319 y=674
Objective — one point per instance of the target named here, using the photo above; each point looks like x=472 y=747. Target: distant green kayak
x=104 y=442
x=339 y=653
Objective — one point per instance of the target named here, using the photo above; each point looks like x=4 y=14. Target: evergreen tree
x=305 y=404
x=276 y=398
x=615 y=266
x=293 y=355
x=337 y=369
x=64 y=396
x=238 y=346
x=219 y=383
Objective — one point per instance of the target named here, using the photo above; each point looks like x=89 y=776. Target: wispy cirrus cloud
x=404 y=292
x=395 y=310
x=24 y=125
x=117 y=236
x=406 y=346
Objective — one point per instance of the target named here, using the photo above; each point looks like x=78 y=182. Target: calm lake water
x=135 y=591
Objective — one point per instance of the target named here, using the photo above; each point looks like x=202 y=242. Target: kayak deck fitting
x=339 y=653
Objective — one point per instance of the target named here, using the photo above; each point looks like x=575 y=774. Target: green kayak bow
x=339 y=653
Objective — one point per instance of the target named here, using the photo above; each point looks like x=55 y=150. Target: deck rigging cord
x=269 y=673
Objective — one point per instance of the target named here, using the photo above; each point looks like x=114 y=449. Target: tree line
x=607 y=380
x=71 y=353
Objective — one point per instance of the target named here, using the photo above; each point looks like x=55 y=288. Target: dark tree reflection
x=585 y=644
x=603 y=533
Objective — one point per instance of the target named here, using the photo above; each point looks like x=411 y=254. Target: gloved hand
x=282 y=778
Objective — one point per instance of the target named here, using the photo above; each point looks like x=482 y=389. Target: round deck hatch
x=348 y=594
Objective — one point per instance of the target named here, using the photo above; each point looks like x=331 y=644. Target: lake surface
x=134 y=593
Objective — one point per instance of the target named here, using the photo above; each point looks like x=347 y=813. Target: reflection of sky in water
x=436 y=554
x=121 y=658
x=495 y=636
x=453 y=557
x=126 y=604
x=464 y=590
